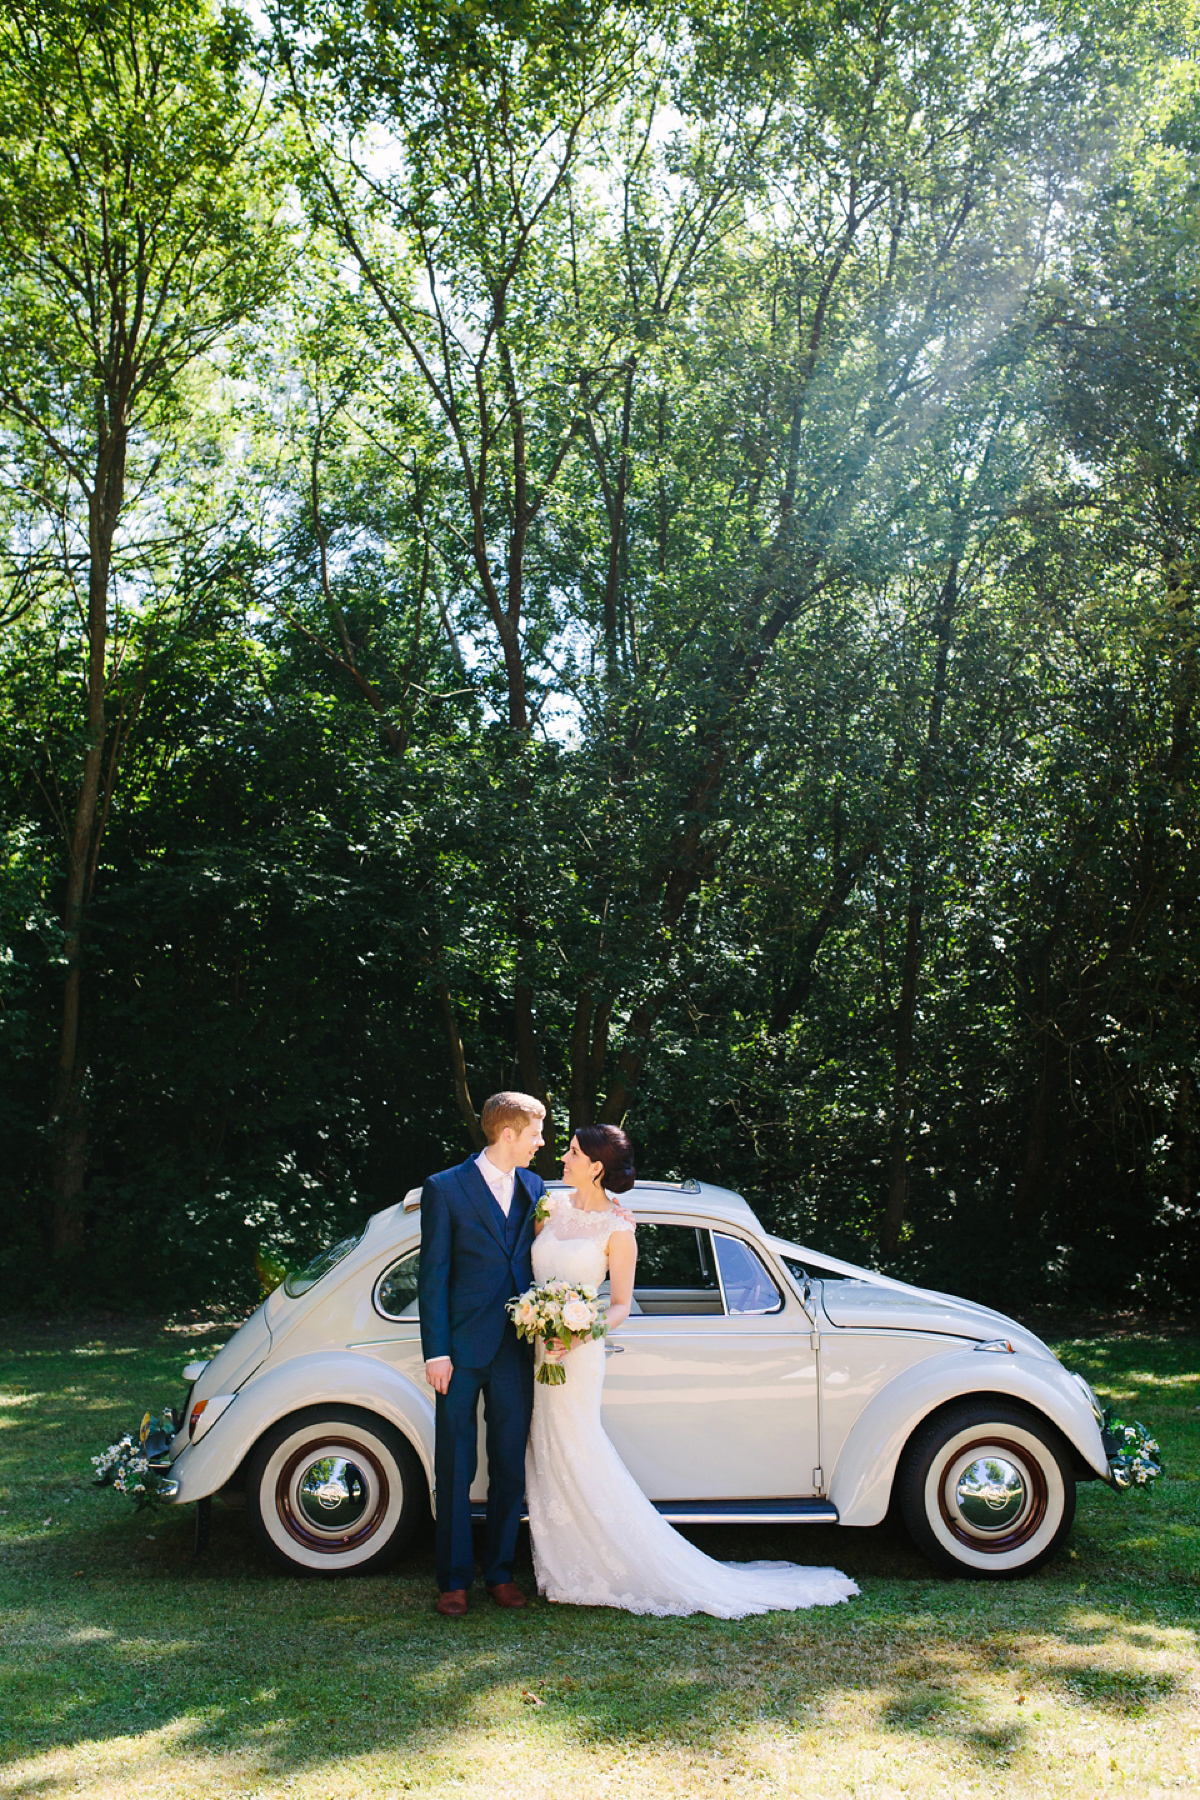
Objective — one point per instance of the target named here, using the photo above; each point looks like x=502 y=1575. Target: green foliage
x=675 y=591
x=121 y=129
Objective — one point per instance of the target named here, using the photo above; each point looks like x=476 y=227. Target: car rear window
x=300 y=1280
x=396 y=1289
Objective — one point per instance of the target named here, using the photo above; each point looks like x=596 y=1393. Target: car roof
x=683 y=1197
x=395 y=1228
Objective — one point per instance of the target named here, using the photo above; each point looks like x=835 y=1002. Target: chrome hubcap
x=333 y=1494
x=990 y=1494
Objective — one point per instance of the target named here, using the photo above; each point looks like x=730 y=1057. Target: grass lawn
x=131 y=1669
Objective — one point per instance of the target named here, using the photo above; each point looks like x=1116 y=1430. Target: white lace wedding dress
x=597 y=1540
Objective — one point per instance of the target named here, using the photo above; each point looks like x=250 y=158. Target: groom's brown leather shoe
x=453 y=1603
x=506 y=1593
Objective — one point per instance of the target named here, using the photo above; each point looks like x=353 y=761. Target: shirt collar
x=497 y=1180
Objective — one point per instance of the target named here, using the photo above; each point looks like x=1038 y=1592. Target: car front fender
x=860 y=1485
x=320 y=1379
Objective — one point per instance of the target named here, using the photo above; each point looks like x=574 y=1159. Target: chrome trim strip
x=748 y=1512
x=725 y=1512
x=412 y=1337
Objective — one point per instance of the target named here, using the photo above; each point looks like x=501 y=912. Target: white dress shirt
x=500 y=1181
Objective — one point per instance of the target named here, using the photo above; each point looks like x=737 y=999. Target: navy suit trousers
x=506 y=1384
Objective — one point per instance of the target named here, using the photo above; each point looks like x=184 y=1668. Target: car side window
x=676 y=1271
x=748 y=1287
x=396 y=1289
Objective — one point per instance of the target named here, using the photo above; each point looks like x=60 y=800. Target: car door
x=710 y=1387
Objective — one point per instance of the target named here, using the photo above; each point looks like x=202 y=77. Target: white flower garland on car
x=136 y=1467
x=1133 y=1455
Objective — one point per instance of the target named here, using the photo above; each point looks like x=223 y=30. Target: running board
x=723 y=1512
x=748 y=1512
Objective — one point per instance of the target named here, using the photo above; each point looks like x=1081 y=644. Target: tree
x=683 y=301
x=134 y=233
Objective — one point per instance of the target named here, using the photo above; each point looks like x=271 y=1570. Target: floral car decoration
x=139 y=1467
x=1134 y=1457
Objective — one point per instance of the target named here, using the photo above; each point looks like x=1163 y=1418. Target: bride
x=597 y=1540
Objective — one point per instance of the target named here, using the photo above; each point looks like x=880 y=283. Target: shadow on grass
x=229 y=1658
x=116 y=1639
x=948 y=1712
x=1131 y=1693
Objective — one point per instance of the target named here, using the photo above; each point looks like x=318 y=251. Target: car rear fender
x=319 y=1379
x=860 y=1485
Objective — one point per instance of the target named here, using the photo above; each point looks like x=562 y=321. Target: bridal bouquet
x=557 y=1309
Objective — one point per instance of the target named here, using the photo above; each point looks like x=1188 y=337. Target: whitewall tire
x=987 y=1490
x=334 y=1490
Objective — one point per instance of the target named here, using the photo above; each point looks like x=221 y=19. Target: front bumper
x=1118 y=1463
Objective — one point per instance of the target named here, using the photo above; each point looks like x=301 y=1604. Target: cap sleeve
x=619 y=1225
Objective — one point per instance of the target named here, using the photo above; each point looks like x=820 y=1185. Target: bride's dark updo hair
x=607 y=1144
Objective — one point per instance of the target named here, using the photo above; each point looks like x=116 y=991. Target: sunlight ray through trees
x=636 y=551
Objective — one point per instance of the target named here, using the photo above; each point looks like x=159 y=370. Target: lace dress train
x=597 y=1540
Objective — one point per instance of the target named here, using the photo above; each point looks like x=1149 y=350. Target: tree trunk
x=581 y=1102
x=528 y=1063
x=631 y=1061
x=904 y=1017
x=458 y=1067
x=68 y=1118
x=1183 y=1144
x=1029 y=1193
x=792 y=995
x=615 y=501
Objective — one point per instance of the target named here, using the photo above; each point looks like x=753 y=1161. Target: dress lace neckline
x=596 y=1211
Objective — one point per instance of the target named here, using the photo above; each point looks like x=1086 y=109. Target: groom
x=476 y=1236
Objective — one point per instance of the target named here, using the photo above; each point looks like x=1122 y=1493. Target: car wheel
x=987 y=1490
x=334 y=1491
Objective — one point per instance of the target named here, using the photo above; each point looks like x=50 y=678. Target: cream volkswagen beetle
x=754 y=1382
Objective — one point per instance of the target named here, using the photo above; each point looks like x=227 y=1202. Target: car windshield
x=300 y=1280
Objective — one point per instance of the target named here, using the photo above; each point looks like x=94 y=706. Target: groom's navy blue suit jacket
x=473 y=1260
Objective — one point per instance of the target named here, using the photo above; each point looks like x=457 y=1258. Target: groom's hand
x=438 y=1371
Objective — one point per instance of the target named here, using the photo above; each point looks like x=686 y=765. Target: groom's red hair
x=507 y=1108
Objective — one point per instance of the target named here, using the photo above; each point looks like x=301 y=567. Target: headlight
x=1091 y=1398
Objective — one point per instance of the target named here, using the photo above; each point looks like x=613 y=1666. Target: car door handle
x=614 y=1349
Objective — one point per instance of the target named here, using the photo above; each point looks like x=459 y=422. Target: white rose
x=577 y=1315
